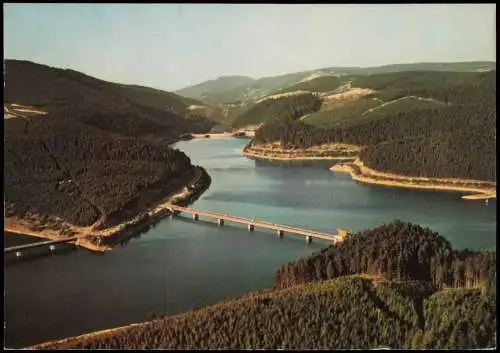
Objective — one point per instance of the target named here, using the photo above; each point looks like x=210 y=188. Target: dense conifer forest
x=398 y=286
x=79 y=173
x=99 y=154
x=398 y=251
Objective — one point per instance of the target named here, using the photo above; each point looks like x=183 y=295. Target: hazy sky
x=169 y=46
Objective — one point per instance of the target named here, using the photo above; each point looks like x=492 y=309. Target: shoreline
x=271 y=152
x=366 y=176
x=216 y=135
x=212 y=135
x=295 y=158
x=16 y=226
x=123 y=231
x=111 y=236
x=475 y=189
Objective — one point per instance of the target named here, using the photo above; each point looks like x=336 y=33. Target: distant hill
x=415 y=123
x=158 y=99
x=362 y=99
x=209 y=88
x=317 y=84
x=68 y=92
x=472 y=66
x=247 y=89
x=237 y=94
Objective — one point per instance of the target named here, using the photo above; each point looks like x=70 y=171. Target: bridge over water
x=252 y=223
x=51 y=243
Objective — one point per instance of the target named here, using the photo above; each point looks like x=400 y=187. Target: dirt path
x=281 y=95
x=399 y=99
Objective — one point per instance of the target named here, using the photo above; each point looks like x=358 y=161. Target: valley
x=248 y=176
x=102 y=159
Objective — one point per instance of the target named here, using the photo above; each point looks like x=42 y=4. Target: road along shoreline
x=104 y=240
x=358 y=171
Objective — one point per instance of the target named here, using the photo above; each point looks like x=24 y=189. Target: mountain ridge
x=268 y=84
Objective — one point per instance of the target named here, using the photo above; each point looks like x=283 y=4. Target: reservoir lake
x=180 y=264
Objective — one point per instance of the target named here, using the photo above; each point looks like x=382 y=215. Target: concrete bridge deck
x=252 y=223
x=19 y=248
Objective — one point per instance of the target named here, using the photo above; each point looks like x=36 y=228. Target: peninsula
x=423 y=130
x=97 y=164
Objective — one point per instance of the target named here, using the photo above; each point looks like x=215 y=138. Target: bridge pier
x=308 y=239
x=220 y=221
x=251 y=227
x=196 y=216
x=280 y=233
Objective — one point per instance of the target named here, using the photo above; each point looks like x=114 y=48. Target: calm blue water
x=181 y=264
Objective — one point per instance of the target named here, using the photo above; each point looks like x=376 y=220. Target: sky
x=171 y=46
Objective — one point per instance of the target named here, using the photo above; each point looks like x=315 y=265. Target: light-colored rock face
x=196 y=107
x=338 y=99
x=281 y=95
x=17 y=110
x=351 y=94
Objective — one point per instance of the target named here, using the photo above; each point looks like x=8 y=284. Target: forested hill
x=126 y=109
x=82 y=175
x=278 y=109
x=397 y=286
x=84 y=152
x=398 y=251
x=430 y=124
